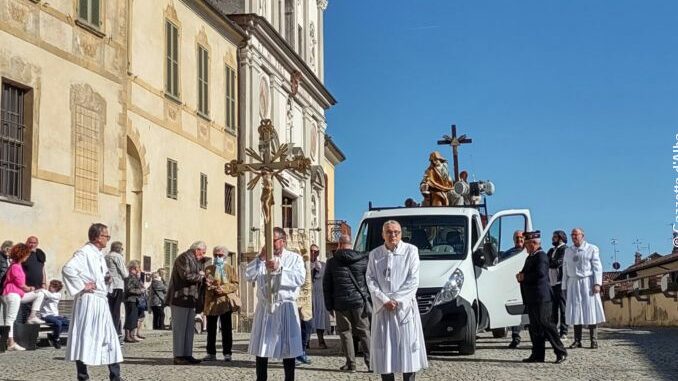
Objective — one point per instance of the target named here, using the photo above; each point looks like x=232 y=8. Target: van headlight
x=451 y=289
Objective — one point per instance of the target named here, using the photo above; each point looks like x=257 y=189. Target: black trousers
x=262 y=368
x=391 y=377
x=558 y=309
x=542 y=329
x=158 y=317
x=114 y=303
x=113 y=371
x=226 y=333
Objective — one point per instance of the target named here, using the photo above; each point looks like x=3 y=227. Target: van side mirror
x=479 y=258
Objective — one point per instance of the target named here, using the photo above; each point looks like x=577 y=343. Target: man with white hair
x=536 y=290
x=182 y=297
x=397 y=339
x=582 y=279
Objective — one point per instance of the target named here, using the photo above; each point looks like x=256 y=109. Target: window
x=172 y=59
x=203 y=77
x=287 y=212
x=171 y=251
x=87 y=145
x=89 y=12
x=172 y=178
x=229 y=199
x=300 y=46
x=15 y=143
x=203 y=191
x=289 y=21
x=230 y=99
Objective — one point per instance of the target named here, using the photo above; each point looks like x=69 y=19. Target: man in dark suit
x=536 y=290
x=556 y=255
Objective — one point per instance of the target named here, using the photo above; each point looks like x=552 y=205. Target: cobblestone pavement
x=642 y=354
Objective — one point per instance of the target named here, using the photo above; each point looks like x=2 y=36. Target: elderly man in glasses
x=397 y=344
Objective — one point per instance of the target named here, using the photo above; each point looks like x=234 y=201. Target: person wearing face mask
x=222 y=280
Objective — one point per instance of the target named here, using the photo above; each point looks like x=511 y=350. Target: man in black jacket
x=534 y=285
x=345 y=291
x=556 y=255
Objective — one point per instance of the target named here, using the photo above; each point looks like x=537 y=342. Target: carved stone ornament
x=314 y=141
x=264 y=98
x=18 y=13
x=171 y=13
x=318 y=176
x=83 y=95
x=295 y=79
x=322 y=4
x=202 y=38
x=314 y=42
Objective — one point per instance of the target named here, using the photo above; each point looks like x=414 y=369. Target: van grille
x=425 y=299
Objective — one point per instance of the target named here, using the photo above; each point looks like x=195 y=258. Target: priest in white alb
x=397 y=344
x=276 y=334
x=92 y=338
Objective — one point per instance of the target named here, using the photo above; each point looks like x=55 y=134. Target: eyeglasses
x=392 y=232
x=105 y=236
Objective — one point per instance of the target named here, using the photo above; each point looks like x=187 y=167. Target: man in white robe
x=276 y=334
x=321 y=317
x=92 y=338
x=397 y=343
x=582 y=280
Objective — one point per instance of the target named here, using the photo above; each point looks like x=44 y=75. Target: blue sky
x=572 y=107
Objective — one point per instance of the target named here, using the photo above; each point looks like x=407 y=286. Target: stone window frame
x=176 y=96
x=24 y=197
x=231 y=82
x=86 y=23
x=229 y=199
x=203 y=78
x=203 y=190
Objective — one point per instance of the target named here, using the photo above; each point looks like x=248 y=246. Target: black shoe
x=514 y=344
x=55 y=341
x=560 y=359
x=192 y=360
x=594 y=345
x=181 y=361
x=348 y=368
x=575 y=344
x=533 y=359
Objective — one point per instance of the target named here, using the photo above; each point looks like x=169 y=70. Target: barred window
x=89 y=12
x=230 y=99
x=171 y=251
x=172 y=59
x=203 y=191
x=172 y=175
x=87 y=146
x=203 y=84
x=229 y=199
x=15 y=143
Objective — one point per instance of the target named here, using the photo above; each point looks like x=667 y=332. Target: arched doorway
x=134 y=200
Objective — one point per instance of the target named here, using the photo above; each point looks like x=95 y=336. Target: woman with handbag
x=221 y=301
x=157 y=297
x=133 y=291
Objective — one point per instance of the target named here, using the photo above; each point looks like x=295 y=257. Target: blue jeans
x=306 y=330
x=58 y=324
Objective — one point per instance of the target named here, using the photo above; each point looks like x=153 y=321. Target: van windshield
x=437 y=237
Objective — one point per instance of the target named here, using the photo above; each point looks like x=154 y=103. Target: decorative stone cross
x=272 y=159
x=455 y=142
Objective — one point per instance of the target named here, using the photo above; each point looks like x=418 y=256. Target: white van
x=466 y=281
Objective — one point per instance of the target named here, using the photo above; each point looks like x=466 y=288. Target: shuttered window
x=172 y=175
x=229 y=199
x=171 y=252
x=203 y=81
x=203 y=191
x=230 y=99
x=172 y=59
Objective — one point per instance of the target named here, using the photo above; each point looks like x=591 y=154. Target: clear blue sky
x=572 y=107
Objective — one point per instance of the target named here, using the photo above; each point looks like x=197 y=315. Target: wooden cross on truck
x=271 y=160
x=455 y=142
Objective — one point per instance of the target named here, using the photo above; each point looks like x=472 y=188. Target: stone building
x=121 y=112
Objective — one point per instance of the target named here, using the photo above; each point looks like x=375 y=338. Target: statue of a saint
x=436 y=182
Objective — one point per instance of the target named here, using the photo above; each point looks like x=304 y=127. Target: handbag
x=142 y=303
x=234 y=301
x=367 y=305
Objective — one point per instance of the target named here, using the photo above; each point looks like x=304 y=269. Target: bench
x=65 y=309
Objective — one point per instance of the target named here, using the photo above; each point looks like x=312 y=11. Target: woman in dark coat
x=157 y=297
x=133 y=289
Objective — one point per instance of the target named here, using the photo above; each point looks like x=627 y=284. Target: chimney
x=639 y=258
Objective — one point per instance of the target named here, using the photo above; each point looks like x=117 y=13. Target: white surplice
x=92 y=338
x=277 y=334
x=321 y=318
x=397 y=344
x=582 y=270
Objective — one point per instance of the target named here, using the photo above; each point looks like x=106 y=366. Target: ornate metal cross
x=455 y=142
x=271 y=160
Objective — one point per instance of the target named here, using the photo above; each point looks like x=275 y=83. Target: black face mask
x=555 y=243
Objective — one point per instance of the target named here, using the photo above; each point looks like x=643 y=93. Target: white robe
x=278 y=334
x=92 y=338
x=321 y=318
x=397 y=344
x=582 y=270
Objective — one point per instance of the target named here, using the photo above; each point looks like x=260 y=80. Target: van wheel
x=468 y=345
x=499 y=333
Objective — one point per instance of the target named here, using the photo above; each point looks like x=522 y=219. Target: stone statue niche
x=437 y=186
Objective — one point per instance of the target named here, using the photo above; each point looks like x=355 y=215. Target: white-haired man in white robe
x=92 y=338
x=397 y=342
x=582 y=280
x=276 y=334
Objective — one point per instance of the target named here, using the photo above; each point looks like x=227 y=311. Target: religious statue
x=436 y=183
